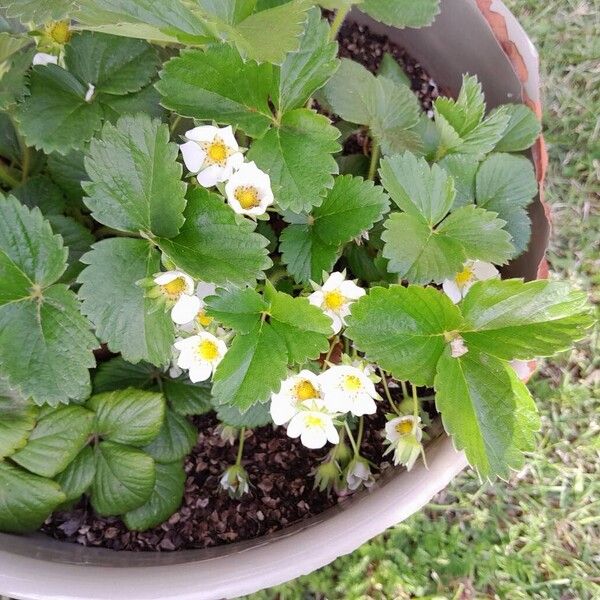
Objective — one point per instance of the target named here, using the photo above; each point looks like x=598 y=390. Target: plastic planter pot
x=476 y=36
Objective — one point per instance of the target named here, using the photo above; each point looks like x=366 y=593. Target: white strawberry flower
x=335 y=297
x=200 y=355
x=297 y=392
x=249 y=191
x=235 y=481
x=314 y=427
x=178 y=288
x=349 y=389
x=473 y=270
x=404 y=435
x=199 y=320
x=212 y=154
x=359 y=473
x=43 y=59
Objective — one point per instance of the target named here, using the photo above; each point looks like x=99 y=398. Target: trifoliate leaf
x=462 y=168
x=175 y=439
x=416 y=188
x=17 y=420
x=38 y=11
x=26 y=500
x=298 y=157
x=165 y=499
x=402 y=329
x=130 y=416
x=305 y=255
x=55 y=116
x=307 y=69
x=78 y=240
x=512 y=319
x=77 y=478
x=402 y=13
x=113 y=65
x=506 y=185
x=135 y=178
x=522 y=129
x=135 y=325
x=252 y=369
x=256 y=416
x=216 y=245
x=124 y=478
x=118 y=374
x=187 y=398
x=217 y=84
x=56 y=440
x=487 y=410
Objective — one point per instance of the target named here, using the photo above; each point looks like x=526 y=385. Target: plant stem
x=6 y=177
x=25 y=163
x=238 y=460
x=174 y=124
x=361 y=430
x=351 y=438
x=375 y=154
x=404 y=390
x=386 y=389
x=333 y=344
x=340 y=15
x=415 y=401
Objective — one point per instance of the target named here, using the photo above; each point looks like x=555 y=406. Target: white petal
x=484 y=270
x=193 y=156
x=333 y=281
x=210 y=176
x=282 y=410
x=226 y=134
x=43 y=59
x=350 y=290
x=296 y=425
x=364 y=405
x=89 y=94
x=200 y=371
x=205 y=289
x=204 y=133
x=166 y=277
x=316 y=298
x=313 y=437
x=452 y=290
x=522 y=369
x=185 y=309
x=332 y=433
x=336 y=322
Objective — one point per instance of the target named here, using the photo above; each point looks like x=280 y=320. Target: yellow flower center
x=217 y=152
x=305 y=390
x=464 y=277
x=404 y=427
x=174 y=288
x=313 y=421
x=352 y=383
x=333 y=300
x=59 y=31
x=203 y=319
x=247 y=196
x=208 y=350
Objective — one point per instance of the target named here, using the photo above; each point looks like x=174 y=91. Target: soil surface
x=280 y=468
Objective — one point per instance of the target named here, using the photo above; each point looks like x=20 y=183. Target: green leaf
x=68 y=172
x=487 y=410
x=217 y=84
x=298 y=157
x=78 y=240
x=230 y=11
x=135 y=179
x=17 y=419
x=307 y=69
x=146 y=100
x=12 y=82
x=55 y=116
x=165 y=499
x=418 y=189
x=216 y=245
x=512 y=319
x=305 y=255
x=522 y=129
x=25 y=500
x=40 y=191
x=38 y=11
x=402 y=13
x=77 y=478
x=135 y=325
x=132 y=417
x=402 y=329
x=187 y=398
x=390 y=69
x=56 y=440
x=486 y=135
x=113 y=65
x=123 y=481
x=117 y=374
x=285 y=25
x=253 y=367
x=238 y=309
x=462 y=168
x=506 y=185
x=257 y=415
x=174 y=441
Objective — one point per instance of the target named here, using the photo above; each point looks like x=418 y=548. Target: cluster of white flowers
x=309 y=403
x=214 y=156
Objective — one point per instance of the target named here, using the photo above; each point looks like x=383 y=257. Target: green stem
x=6 y=177
x=415 y=401
x=333 y=344
x=176 y=122
x=361 y=429
x=238 y=460
x=340 y=15
x=404 y=390
x=351 y=438
x=386 y=389
x=25 y=163
x=375 y=154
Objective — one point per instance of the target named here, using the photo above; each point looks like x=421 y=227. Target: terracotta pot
x=476 y=36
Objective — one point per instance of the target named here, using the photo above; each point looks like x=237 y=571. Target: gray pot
x=476 y=36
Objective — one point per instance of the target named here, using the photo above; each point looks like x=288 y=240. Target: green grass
x=537 y=536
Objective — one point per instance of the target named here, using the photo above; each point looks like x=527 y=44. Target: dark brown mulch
x=280 y=468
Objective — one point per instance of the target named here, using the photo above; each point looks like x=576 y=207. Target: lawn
x=538 y=535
